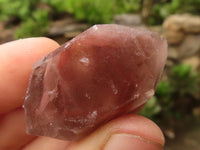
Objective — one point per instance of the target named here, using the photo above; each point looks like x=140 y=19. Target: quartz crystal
x=105 y=72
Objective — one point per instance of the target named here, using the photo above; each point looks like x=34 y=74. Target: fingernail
x=131 y=142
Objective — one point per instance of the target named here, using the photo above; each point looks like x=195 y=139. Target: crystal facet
x=107 y=71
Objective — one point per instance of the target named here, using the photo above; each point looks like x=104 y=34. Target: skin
x=16 y=59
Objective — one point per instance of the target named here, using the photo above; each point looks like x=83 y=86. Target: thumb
x=131 y=132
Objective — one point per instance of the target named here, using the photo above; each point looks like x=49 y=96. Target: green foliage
x=163 y=94
x=18 y=8
x=128 y=6
x=35 y=22
x=98 y=11
x=95 y=11
x=34 y=26
x=91 y=11
x=58 y=5
x=151 y=108
x=182 y=83
x=164 y=8
x=163 y=89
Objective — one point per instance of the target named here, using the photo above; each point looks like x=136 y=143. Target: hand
x=130 y=132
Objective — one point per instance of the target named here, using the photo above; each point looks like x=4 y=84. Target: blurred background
x=176 y=104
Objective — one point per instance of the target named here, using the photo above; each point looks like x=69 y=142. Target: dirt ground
x=185 y=140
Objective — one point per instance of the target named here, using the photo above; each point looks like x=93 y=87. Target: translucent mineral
x=105 y=72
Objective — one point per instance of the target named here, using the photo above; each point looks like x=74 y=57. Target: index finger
x=16 y=61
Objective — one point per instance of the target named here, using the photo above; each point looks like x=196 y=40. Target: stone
x=183 y=22
x=173 y=53
x=176 y=27
x=105 y=72
x=193 y=61
x=196 y=111
x=174 y=37
x=192 y=25
x=128 y=19
x=190 y=46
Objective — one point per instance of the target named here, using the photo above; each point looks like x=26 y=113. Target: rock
x=170 y=133
x=177 y=26
x=128 y=19
x=66 y=26
x=173 y=52
x=193 y=61
x=174 y=37
x=173 y=23
x=185 y=23
x=196 y=111
x=192 y=25
x=107 y=71
x=72 y=34
x=68 y=29
x=190 y=46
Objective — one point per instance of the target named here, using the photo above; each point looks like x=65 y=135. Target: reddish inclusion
x=101 y=76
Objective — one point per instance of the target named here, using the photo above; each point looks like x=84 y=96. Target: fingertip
x=45 y=143
x=12 y=131
x=126 y=132
x=32 y=41
x=138 y=125
x=16 y=60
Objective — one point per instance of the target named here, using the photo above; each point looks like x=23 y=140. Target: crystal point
x=106 y=71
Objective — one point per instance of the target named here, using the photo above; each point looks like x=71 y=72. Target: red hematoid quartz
x=106 y=71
